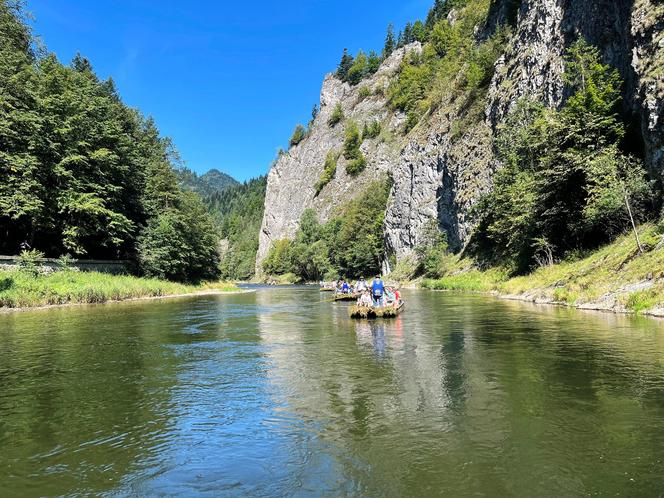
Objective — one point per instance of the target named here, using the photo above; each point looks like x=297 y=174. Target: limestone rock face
x=442 y=167
x=292 y=179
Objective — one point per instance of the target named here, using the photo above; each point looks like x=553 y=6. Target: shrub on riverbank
x=20 y=289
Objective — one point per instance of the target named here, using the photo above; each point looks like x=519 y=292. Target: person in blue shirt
x=377 y=291
x=345 y=288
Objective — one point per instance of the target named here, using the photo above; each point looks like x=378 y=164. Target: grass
x=471 y=280
x=617 y=276
x=20 y=289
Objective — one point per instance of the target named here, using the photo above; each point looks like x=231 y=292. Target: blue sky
x=227 y=81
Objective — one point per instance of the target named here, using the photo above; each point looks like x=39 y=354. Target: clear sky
x=227 y=81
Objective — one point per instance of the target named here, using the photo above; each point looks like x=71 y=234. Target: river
x=273 y=393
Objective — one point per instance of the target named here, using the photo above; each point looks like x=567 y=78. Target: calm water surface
x=274 y=394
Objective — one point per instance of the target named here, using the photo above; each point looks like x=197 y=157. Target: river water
x=273 y=393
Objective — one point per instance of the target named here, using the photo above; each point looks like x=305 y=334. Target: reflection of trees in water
x=84 y=395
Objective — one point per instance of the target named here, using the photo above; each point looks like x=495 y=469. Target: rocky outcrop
x=440 y=168
x=292 y=179
x=630 y=35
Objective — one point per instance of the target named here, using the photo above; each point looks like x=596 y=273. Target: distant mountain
x=208 y=184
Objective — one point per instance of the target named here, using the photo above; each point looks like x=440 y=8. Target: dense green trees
x=81 y=172
x=452 y=62
x=238 y=213
x=350 y=244
x=565 y=184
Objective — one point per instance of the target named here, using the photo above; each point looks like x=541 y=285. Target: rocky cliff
x=445 y=163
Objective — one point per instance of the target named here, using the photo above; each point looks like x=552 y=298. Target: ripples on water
x=275 y=394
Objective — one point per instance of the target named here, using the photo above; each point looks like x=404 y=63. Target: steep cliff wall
x=441 y=168
x=292 y=179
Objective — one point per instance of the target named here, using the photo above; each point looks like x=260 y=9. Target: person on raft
x=393 y=297
x=345 y=288
x=378 y=291
x=361 y=285
x=365 y=300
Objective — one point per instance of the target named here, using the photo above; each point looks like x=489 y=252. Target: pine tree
x=436 y=13
x=419 y=32
x=408 y=34
x=345 y=65
x=373 y=62
x=390 y=42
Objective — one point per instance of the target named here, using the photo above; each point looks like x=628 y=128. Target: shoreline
x=9 y=311
x=655 y=313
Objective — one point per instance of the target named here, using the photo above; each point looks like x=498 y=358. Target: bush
x=357 y=165
x=371 y=130
x=337 y=116
x=29 y=262
x=329 y=171
x=65 y=262
x=352 y=141
x=359 y=69
x=364 y=92
x=299 y=134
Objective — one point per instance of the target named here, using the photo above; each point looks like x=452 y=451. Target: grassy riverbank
x=20 y=289
x=615 y=278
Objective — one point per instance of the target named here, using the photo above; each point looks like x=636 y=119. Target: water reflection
x=276 y=393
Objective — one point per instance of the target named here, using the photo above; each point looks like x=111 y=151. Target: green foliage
x=407 y=93
x=345 y=65
x=357 y=165
x=357 y=241
x=364 y=92
x=65 y=262
x=81 y=172
x=278 y=260
x=373 y=63
x=351 y=151
x=350 y=244
x=29 y=262
x=238 y=213
x=337 y=116
x=207 y=184
x=565 y=183
x=390 y=42
x=180 y=244
x=371 y=130
x=354 y=69
x=359 y=69
x=20 y=290
x=352 y=141
x=452 y=63
x=432 y=252
x=299 y=134
x=329 y=171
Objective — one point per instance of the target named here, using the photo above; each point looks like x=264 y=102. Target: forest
x=85 y=175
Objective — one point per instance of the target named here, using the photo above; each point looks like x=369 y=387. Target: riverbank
x=614 y=278
x=22 y=290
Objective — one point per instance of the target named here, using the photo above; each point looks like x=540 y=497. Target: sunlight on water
x=275 y=394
